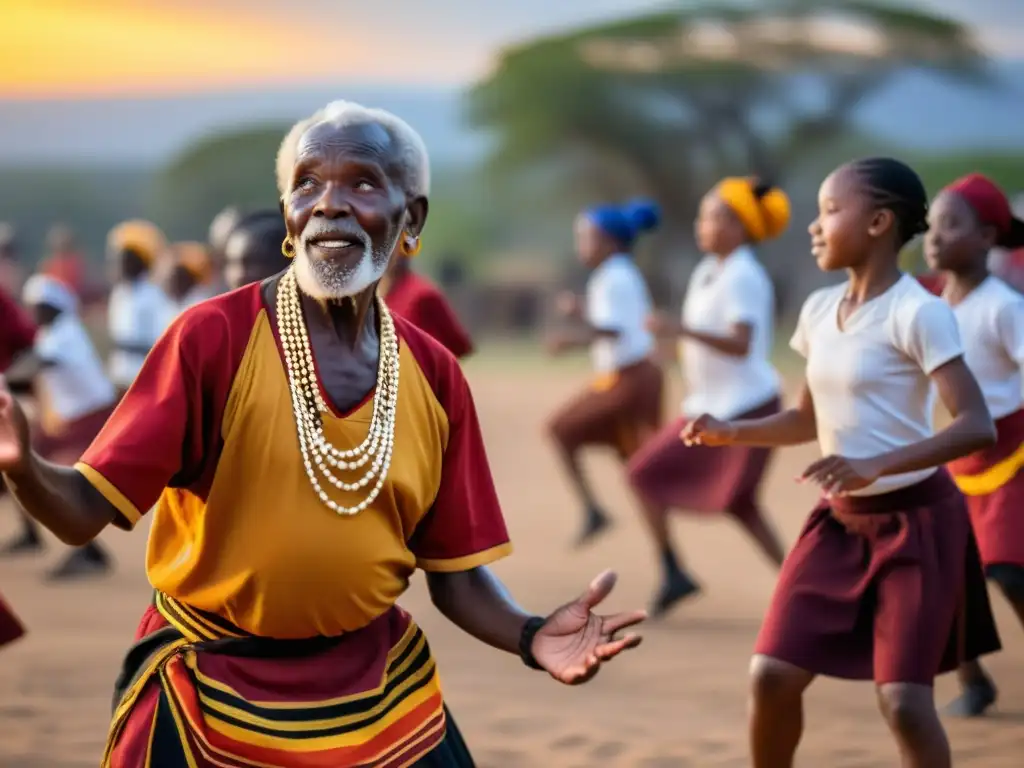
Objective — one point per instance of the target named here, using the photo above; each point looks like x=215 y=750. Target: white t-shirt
x=870 y=380
x=723 y=293
x=75 y=382
x=138 y=313
x=991 y=319
x=617 y=299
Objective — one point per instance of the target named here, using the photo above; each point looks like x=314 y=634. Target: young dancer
x=73 y=395
x=969 y=218
x=726 y=340
x=884 y=582
x=138 y=310
x=621 y=408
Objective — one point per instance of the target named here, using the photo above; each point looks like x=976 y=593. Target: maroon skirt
x=68 y=445
x=621 y=411
x=10 y=627
x=994 y=488
x=670 y=474
x=886 y=587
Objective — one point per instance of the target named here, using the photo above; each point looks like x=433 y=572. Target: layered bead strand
x=319 y=457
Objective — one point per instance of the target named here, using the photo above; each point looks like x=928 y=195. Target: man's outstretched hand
x=575 y=641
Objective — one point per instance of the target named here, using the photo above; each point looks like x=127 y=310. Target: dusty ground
x=677 y=701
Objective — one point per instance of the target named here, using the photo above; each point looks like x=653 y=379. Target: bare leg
x=979 y=692
x=676 y=583
x=751 y=518
x=89 y=560
x=909 y=711
x=29 y=540
x=595 y=521
x=776 y=711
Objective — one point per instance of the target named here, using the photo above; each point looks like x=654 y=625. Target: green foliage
x=235 y=168
x=1007 y=170
x=90 y=200
x=666 y=103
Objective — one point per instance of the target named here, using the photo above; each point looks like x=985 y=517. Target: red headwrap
x=991 y=206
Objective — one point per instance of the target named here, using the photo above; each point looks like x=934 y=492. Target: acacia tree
x=668 y=102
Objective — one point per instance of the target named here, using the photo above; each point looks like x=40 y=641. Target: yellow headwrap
x=195 y=258
x=765 y=217
x=142 y=237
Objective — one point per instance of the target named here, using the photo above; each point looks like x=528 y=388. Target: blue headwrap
x=626 y=222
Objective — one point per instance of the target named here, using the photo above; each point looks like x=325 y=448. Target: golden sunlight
x=55 y=48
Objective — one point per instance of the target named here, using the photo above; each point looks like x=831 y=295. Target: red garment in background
x=1011 y=271
x=933 y=282
x=17 y=332
x=421 y=303
x=68 y=267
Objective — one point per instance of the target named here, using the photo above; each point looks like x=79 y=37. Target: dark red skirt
x=10 y=627
x=886 y=587
x=697 y=478
x=997 y=515
x=621 y=415
x=68 y=445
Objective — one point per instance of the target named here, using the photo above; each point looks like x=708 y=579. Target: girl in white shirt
x=885 y=582
x=73 y=394
x=622 y=405
x=726 y=339
x=969 y=218
x=138 y=310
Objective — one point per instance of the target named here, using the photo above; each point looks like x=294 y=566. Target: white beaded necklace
x=318 y=455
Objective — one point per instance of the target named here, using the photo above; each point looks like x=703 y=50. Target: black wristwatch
x=530 y=630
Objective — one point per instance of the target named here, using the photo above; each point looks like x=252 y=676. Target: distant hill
x=917 y=111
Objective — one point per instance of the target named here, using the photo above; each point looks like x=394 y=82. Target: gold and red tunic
x=241 y=547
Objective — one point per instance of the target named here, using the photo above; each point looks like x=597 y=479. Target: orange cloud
x=57 y=48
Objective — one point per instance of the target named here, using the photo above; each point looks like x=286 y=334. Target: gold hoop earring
x=288 y=248
x=411 y=250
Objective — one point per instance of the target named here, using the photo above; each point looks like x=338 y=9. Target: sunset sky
x=61 y=48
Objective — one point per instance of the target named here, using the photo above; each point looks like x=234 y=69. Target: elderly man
x=305 y=451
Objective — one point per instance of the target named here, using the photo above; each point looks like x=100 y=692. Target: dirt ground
x=679 y=700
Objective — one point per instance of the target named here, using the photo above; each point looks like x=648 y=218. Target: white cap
x=43 y=289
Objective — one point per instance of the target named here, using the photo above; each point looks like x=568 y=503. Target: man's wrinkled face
x=345 y=209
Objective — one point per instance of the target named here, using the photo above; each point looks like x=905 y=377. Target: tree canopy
x=668 y=102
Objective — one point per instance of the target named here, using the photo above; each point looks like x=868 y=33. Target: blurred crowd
x=52 y=316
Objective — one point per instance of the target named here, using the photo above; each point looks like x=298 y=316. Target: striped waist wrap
x=199 y=688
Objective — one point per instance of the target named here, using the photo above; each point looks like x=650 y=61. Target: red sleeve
x=933 y=282
x=18 y=327
x=435 y=316
x=166 y=431
x=464 y=528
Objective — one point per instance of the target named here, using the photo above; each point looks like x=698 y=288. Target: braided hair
x=895 y=185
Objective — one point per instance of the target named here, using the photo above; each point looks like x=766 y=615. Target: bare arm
x=58 y=497
x=970 y=430
x=24 y=370
x=478 y=603
x=793 y=426
x=579 y=337
x=736 y=343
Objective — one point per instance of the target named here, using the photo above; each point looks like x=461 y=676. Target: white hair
x=413 y=162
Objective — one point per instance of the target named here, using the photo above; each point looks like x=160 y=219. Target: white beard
x=322 y=281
